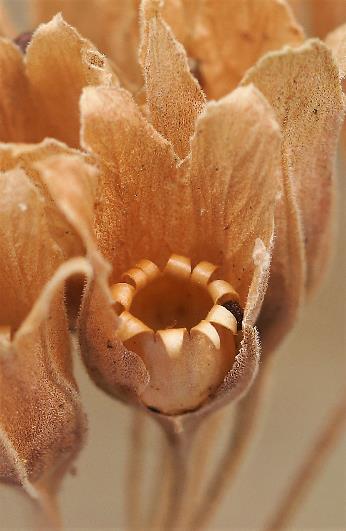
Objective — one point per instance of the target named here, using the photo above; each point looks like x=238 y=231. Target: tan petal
x=141 y=201
x=174 y=97
x=27 y=261
x=41 y=420
x=233 y=179
x=112 y=366
x=111 y=25
x=17 y=114
x=59 y=63
x=310 y=109
x=25 y=156
x=42 y=425
x=336 y=41
x=240 y=133
x=229 y=36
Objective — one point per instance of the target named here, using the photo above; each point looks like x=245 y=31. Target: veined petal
x=41 y=419
x=25 y=156
x=303 y=87
x=174 y=97
x=143 y=206
x=27 y=261
x=59 y=63
x=42 y=424
x=110 y=364
x=111 y=25
x=18 y=120
x=233 y=176
x=229 y=36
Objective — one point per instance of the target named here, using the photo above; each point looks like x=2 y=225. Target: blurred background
x=307 y=379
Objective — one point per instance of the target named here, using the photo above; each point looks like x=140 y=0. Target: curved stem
x=245 y=421
x=310 y=467
x=135 y=472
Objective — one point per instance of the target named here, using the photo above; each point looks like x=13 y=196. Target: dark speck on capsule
x=235 y=309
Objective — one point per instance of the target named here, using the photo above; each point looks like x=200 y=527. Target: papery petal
x=173 y=95
x=59 y=63
x=113 y=367
x=17 y=113
x=233 y=176
x=111 y=25
x=41 y=420
x=27 y=261
x=142 y=205
x=304 y=89
x=336 y=41
x=229 y=36
x=25 y=156
x=42 y=424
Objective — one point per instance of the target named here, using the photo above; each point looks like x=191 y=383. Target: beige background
x=308 y=376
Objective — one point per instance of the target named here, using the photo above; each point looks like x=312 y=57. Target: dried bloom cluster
x=173 y=208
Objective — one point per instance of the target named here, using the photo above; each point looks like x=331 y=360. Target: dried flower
x=41 y=419
x=161 y=194
x=179 y=181
x=42 y=424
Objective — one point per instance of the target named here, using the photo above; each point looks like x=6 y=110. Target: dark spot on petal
x=23 y=40
x=109 y=344
x=235 y=309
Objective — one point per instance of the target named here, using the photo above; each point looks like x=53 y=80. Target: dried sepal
x=111 y=25
x=138 y=190
x=72 y=63
x=42 y=424
x=173 y=96
x=26 y=156
x=116 y=369
x=310 y=110
x=34 y=104
x=233 y=175
x=144 y=199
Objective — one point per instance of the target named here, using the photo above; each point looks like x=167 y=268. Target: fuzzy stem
x=135 y=472
x=311 y=466
x=246 y=416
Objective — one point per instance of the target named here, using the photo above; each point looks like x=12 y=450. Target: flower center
x=180 y=321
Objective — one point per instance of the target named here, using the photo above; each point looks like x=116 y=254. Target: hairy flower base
x=176 y=322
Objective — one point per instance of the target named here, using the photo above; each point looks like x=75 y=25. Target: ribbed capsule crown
x=178 y=321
